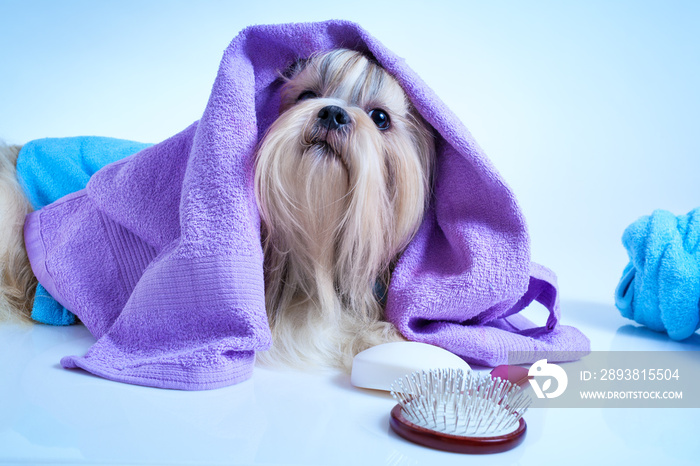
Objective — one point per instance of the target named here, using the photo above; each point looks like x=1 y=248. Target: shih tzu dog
x=342 y=181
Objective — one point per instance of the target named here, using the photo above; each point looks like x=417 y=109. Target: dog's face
x=344 y=173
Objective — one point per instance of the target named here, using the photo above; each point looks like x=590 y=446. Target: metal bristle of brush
x=459 y=411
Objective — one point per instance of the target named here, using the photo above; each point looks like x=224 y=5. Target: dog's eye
x=380 y=118
x=307 y=95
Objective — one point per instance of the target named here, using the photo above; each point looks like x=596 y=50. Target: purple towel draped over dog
x=160 y=255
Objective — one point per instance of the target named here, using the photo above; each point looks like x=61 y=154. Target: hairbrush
x=458 y=411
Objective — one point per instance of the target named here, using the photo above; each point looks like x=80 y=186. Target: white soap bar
x=378 y=367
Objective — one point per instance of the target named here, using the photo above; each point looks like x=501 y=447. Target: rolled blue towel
x=51 y=168
x=660 y=287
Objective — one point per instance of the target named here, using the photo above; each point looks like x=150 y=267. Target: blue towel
x=660 y=287
x=49 y=169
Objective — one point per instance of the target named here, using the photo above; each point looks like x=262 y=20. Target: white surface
x=588 y=109
x=52 y=415
x=379 y=367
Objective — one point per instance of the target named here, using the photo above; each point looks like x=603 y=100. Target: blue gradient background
x=590 y=110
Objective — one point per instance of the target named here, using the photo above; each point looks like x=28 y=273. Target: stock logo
x=547 y=372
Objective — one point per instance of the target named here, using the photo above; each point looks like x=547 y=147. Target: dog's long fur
x=17 y=282
x=337 y=208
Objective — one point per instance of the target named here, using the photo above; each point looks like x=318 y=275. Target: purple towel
x=160 y=255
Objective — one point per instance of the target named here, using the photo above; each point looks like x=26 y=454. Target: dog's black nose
x=333 y=117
